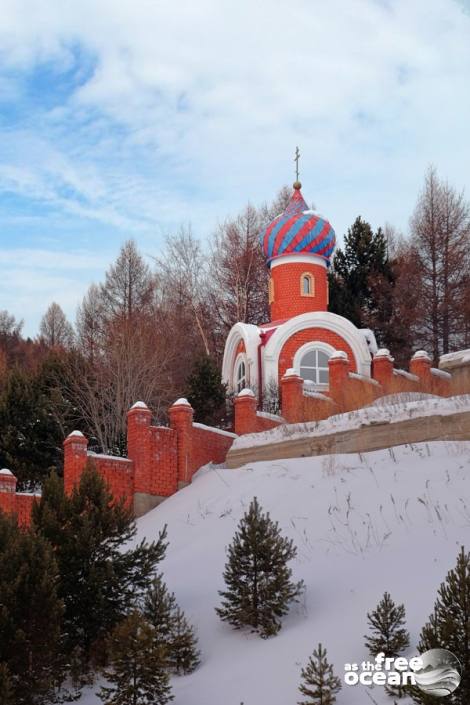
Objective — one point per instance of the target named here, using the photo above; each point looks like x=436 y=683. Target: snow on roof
x=363 y=378
x=339 y=355
x=247 y=392
x=440 y=373
x=220 y=431
x=272 y=417
x=407 y=375
x=421 y=354
x=103 y=456
x=139 y=405
x=317 y=395
x=454 y=359
x=291 y=372
x=181 y=402
x=383 y=352
x=77 y=434
x=369 y=337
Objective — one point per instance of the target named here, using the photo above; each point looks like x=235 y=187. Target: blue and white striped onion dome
x=298 y=230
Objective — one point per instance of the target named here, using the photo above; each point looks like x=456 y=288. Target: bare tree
x=182 y=278
x=91 y=323
x=238 y=271
x=54 y=329
x=441 y=229
x=124 y=350
x=9 y=326
x=129 y=286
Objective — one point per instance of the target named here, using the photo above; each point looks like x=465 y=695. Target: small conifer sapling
x=319 y=683
x=388 y=633
x=259 y=586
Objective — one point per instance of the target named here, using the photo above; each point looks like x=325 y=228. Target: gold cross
x=296 y=160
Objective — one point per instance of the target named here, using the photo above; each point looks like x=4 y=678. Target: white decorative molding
x=297 y=259
x=312 y=345
x=317 y=319
x=250 y=335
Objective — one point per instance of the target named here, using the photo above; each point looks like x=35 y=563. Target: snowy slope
x=388 y=520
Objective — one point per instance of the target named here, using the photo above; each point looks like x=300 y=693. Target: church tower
x=302 y=334
x=298 y=245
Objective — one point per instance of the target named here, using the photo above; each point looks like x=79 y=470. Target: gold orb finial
x=297 y=185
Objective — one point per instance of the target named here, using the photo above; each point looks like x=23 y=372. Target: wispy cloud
x=121 y=119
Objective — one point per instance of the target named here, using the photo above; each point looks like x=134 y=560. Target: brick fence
x=160 y=461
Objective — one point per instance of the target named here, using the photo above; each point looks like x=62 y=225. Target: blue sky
x=126 y=119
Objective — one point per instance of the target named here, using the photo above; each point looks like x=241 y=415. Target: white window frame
x=241 y=358
x=311 y=347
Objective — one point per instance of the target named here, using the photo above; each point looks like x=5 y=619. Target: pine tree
x=205 y=391
x=30 y=616
x=320 y=686
x=6 y=686
x=31 y=432
x=99 y=580
x=258 y=580
x=184 y=656
x=158 y=608
x=137 y=672
x=173 y=633
x=360 y=272
x=448 y=626
x=387 y=627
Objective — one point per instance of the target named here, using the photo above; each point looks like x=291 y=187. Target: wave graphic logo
x=440 y=673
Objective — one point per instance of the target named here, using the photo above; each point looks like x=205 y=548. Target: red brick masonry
x=160 y=459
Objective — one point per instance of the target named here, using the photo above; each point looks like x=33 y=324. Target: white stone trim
x=297 y=259
x=250 y=335
x=316 y=319
x=241 y=357
x=212 y=429
x=312 y=345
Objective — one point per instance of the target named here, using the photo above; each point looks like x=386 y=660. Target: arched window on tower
x=240 y=377
x=307 y=287
x=314 y=366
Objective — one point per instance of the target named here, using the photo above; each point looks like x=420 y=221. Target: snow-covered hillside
x=388 y=520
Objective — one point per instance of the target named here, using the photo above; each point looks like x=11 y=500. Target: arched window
x=307 y=285
x=240 y=377
x=314 y=366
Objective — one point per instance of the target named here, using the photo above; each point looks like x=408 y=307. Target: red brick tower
x=298 y=245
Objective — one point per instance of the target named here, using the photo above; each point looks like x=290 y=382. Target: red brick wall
x=75 y=458
x=164 y=461
x=208 y=446
x=118 y=473
x=247 y=419
x=24 y=507
x=298 y=407
x=15 y=503
x=265 y=424
x=288 y=301
x=310 y=335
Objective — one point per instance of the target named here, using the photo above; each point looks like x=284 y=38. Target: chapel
x=301 y=334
